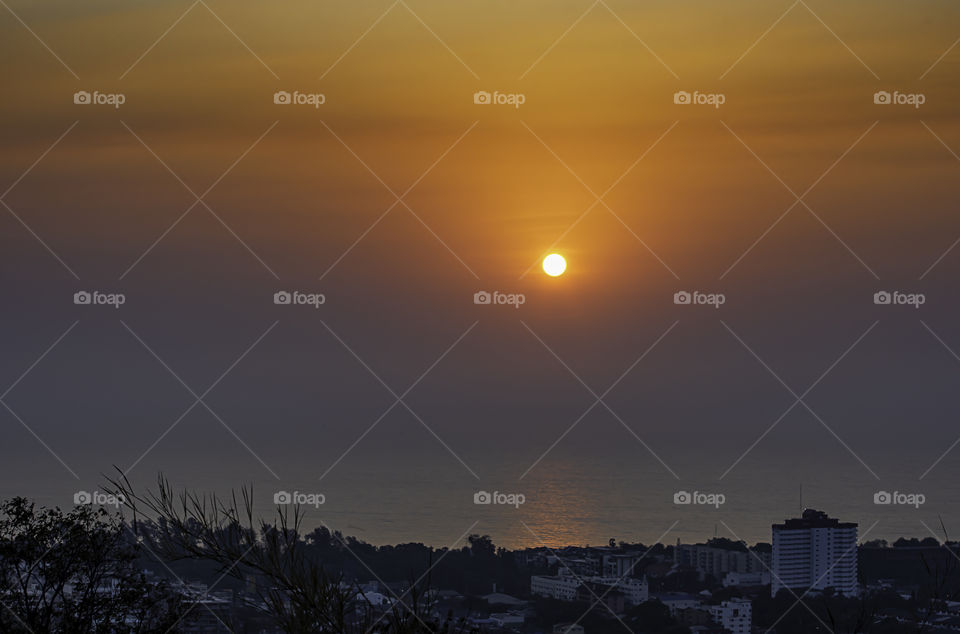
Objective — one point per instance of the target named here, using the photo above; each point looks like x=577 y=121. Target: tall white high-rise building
x=815 y=551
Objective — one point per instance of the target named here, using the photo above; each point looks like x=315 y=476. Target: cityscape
x=814 y=576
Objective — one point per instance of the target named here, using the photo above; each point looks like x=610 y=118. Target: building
x=815 y=552
x=746 y=579
x=498 y=598
x=576 y=565
x=598 y=594
x=693 y=617
x=735 y=616
x=562 y=588
x=565 y=587
x=213 y=615
x=635 y=591
x=621 y=565
x=717 y=561
x=676 y=601
x=506 y=619
x=568 y=628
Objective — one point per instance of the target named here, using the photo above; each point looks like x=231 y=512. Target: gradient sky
x=799 y=112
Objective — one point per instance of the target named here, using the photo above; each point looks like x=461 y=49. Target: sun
x=554 y=265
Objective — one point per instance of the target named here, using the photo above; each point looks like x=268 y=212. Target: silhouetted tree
x=300 y=592
x=75 y=573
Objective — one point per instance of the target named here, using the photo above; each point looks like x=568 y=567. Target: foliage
x=75 y=573
x=301 y=592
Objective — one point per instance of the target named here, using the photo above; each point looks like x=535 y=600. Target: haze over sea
x=570 y=499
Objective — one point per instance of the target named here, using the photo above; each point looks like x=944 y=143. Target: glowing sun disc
x=554 y=265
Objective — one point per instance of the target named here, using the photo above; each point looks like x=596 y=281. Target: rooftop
x=812 y=518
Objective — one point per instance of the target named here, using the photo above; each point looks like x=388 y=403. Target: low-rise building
x=678 y=601
x=565 y=587
x=733 y=579
x=506 y=619
x=621 y=564
x=597 y=594
x=713 y=560
x=499 y=598
x=735 y=615
x=575 y=565
x=693 y=616
x=635 y=591
x=560 y=587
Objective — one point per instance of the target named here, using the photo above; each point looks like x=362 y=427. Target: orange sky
x=308 y=188
x=598 y=98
